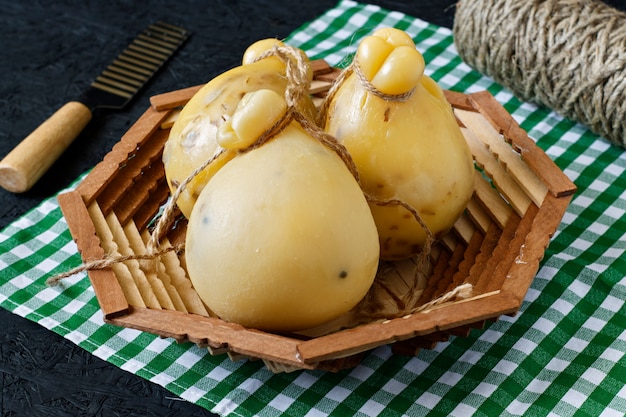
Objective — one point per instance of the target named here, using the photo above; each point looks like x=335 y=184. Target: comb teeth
x=142 y=58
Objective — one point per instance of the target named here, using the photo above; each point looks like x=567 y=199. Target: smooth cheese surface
x=282 y=238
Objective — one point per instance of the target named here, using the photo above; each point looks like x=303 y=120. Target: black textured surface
x=50 y=52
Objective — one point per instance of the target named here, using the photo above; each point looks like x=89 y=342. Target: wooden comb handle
x=29 y=160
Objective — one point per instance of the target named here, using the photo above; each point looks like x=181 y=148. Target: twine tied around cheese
x=355 y=68
x=567 y=55
x=109 y=261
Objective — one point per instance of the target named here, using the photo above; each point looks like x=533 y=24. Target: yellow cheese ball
x=192 y=137
x=412 y=149
x=281 y=238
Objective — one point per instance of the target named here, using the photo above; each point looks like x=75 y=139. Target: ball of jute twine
x=568 y=55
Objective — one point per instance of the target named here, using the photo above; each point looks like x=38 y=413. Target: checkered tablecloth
x=563 y=354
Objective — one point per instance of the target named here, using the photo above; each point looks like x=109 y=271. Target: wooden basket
x=496 y=246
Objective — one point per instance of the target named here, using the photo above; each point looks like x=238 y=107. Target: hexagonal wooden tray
x=496 y=246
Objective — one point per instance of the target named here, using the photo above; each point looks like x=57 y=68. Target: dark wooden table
x=49 y=54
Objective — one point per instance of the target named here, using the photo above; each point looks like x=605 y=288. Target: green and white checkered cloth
x=563 y=354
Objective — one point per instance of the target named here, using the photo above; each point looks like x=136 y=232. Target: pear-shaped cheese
x=192 y=137
x=410 y=149
x=282 y=238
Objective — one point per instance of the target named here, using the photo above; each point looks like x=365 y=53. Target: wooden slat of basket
x=443 y=282
x=130 y=276
x=145 y=186
x=502 y=253
x=491 y=201
x=464 y=227
x=526 y=179
x=166 y=294
x=318 y=86
x=541 y=164
x=507 y=252
x=172 y=273
x=182 y=326
x=124 y=277
x=448 y=283
x=110 y=295
x=450 y=241
x=504 y=182
x=152 y=149
x=320 y=68
x=105 y=171
x=487 y=246
x=170 y=120
x=143 y=215
x=478 y=215
x=438 y=272
x=174 y=99
x=460 y=100
x=153 y=290
x=457 y=250
x=371 y=335
x=526 y=263
x=463 y=274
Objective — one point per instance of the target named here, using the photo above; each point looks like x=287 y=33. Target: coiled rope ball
x=567 y=55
